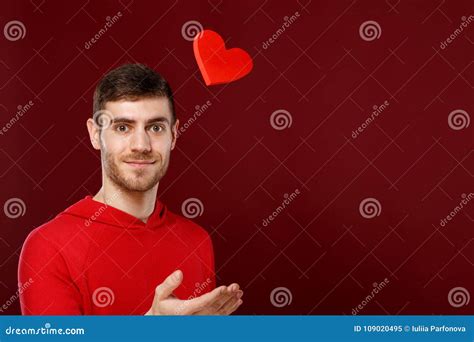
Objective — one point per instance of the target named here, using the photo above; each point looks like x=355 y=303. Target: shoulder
x=188 y=228
x=53 y=235
x=40 y=246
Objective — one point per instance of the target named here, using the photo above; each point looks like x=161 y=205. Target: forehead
x=141 y=109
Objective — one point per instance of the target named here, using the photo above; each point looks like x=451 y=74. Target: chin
x=140 y=187
x=132 y=182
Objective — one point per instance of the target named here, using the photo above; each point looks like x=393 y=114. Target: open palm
x=223 y=300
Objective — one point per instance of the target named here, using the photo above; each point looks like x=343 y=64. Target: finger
x=230 y=301
x=213 y=307
x=237 y=295
x=220 y=302
x=231 y=292
x=166 y=288
x=233 y=288
x=206 y=299
x=231 y=308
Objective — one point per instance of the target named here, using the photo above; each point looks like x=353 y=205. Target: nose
x=140 y=141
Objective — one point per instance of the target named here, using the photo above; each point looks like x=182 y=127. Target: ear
x=174 y=133
x=94 y=133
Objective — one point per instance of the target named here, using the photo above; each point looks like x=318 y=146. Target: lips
x=140 y=163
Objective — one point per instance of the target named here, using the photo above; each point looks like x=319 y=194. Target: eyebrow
x=149 y=121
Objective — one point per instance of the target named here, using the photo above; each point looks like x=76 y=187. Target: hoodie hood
x=92 y=211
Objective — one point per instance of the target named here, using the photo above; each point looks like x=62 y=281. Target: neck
x=137 y=203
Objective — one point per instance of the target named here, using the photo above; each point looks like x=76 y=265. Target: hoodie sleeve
x=207 y=256
x=44 y=279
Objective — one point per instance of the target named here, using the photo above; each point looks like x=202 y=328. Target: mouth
x=140 y=163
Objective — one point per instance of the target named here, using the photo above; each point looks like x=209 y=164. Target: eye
x=121 y=128
x=157 y=128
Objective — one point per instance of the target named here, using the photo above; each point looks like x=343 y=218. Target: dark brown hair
x=132 y=82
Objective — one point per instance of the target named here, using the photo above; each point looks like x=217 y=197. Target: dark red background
x=328 y=78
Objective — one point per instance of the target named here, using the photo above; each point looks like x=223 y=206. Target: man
x=122 y=251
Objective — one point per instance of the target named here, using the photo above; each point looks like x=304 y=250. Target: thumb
x=166 y=288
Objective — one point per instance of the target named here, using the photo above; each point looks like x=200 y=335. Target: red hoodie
x=94 y=259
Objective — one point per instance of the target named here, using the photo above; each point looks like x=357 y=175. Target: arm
x=221 y=301
x=206 y=252
x=51 y=290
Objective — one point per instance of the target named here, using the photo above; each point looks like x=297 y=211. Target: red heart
x=217 y=64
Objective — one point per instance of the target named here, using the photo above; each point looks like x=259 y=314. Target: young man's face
x=136 y=144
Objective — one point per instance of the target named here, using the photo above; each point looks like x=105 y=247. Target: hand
x=223 y=300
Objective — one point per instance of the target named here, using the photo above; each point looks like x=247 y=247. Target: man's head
x=134 y=126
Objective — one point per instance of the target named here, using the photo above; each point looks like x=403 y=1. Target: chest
x=122 y=270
